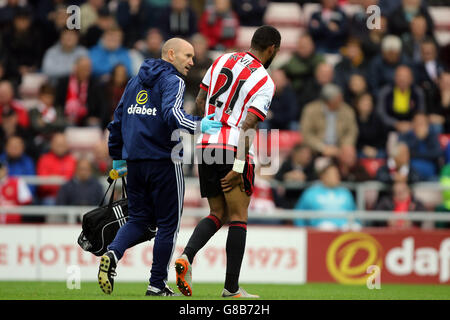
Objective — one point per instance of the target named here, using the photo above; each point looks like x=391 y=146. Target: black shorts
x=214 y=165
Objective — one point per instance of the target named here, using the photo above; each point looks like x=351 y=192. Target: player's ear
x=171 y=54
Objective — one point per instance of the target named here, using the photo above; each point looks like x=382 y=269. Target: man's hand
x=210 y=126
x=231 y=180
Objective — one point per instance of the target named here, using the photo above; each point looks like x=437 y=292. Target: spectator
x=400 y=202
x=301 y=66
x=349 y=168
x=444 y=207
x=14 y=156
x=399 y=102
x=439 y=108
x=8 y=102
x=354 y=88
x=382 y=67
x=109 y=52
x=23 y=44
x=102 y=160
x=372 y=135
x=89 y=13
x=8 y=12
x=297 y=168
x=353 y=62
x=398 y=167
x=80 y=96
x=328 y=27
x=83 y=189
x=113 y=90
x=250 y=12
x=151 y=47
x=57 y=162
x=358 y=22
x=45 y=119
x=134 y=18
x=371 y=45
x=178 y=20
x=13 y=192
x=284 y=111
x=427 y=73
x=201 y=65
x=400 y=18
x=10 y=127
x=424 y=147
x=412 y=40
x=323 y=75
x=329 y=123
x=59 y=59
x=51 y=20
x=329 y=196
x=219 y=24
x=93 y=34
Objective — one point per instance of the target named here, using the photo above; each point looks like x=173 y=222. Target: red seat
x=372 y=165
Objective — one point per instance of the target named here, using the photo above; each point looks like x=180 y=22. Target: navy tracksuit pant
x=155 y=194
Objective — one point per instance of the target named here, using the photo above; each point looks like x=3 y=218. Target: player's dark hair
x=264 y=37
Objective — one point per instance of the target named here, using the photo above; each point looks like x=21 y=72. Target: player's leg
x=204 y=230
x=138 y=222
x=237 y=203
x=207 y=227
x=168 y=195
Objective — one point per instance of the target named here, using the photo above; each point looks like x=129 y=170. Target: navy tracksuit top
x=150 y=109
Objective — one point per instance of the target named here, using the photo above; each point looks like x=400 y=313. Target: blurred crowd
x=386 y=102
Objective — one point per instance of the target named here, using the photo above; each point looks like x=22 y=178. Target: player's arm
x=256 y=112
x=200 y=101
x=246 y=136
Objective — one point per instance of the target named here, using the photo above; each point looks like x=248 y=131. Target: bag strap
x=124 y=188
x=111 y=182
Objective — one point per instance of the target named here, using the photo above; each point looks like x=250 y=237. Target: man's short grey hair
x=330 y=91
x=391 y=43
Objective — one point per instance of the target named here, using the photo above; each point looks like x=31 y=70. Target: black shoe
x=107 y=272
x=166 y=292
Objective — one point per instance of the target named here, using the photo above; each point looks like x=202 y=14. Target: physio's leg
x=167 y=195
x=207 y=227
x=139 y=212
x=237 y=203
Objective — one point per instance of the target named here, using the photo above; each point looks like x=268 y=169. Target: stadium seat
x=444 y=140
x=289 y=36
x=351 y=9
x=308 y=10
x=288 y=139
x=440 y=16
x=442 y=37
x=332 y=58
x=31 y=82
x=83 y=139
x=372 y=165
x=244 y=37
x=283 y=14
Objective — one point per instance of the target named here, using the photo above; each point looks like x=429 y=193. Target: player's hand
x=231 y=180
x=210 y=126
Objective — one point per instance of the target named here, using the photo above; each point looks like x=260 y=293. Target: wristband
x=238 y=165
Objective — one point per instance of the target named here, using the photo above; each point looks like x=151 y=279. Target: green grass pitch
x=15 y=290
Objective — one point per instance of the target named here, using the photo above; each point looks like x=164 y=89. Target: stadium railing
x=73 y=213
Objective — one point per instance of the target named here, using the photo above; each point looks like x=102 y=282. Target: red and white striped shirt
x=236 y=83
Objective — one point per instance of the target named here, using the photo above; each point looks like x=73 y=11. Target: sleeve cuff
x=204 y=87
x=258 y=113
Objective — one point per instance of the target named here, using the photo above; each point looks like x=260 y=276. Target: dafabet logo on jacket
x=139 y=107
x=142 y=97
